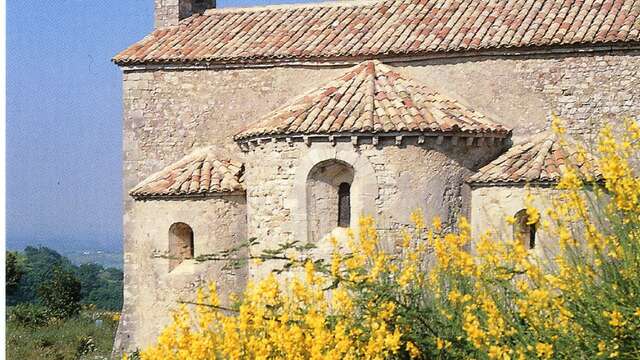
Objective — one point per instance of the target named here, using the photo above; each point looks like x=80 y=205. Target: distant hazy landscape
x=104 y=257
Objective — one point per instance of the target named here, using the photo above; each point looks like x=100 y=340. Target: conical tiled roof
x=199 y=173
x=372 y=98
x=541 y=159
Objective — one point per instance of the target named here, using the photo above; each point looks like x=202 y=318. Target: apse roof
x=372 y=98
x=540 y=159
x=377 y=29
x=199 y=173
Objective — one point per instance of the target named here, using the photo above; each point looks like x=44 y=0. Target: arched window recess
x=180 y=244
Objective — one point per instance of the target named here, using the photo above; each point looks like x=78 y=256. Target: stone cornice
x=391 y=138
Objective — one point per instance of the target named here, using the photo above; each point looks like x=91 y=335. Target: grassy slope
x=60 y=340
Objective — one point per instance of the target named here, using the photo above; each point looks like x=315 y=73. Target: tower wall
x=153 y=288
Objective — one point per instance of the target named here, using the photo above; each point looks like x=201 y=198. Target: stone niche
x=328 y=198
x=180 y=244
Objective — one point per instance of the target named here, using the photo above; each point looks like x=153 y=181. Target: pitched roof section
x=372 y=98
x=384 y=28
x=539 y=160
x=199 y=173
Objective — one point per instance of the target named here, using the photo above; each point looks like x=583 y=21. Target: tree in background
x=37 y=265
x=99 y=285
x=14 y=272
x=61 y=296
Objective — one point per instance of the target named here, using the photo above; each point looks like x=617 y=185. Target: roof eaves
x=400 y=57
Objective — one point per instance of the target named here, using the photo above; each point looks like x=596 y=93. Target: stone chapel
x=289 y=122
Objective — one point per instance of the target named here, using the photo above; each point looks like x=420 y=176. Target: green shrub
x=61 y=296
x=29 y=315
x=86 y=345
x=14 y=272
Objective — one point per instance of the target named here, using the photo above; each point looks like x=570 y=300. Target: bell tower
x=170 y=12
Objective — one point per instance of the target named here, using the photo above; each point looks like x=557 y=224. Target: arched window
x=328 y=198
x=523 y=231
x=344 y=204
x=180 y=244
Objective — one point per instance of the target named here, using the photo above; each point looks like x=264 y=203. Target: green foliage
x=99 y=286
x=61 y=295
x=86 y=345
x=38 y=264
x=14 y=272
x=28 y=315
x=75 y=338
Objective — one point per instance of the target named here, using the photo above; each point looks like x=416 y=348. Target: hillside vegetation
x=57 y=310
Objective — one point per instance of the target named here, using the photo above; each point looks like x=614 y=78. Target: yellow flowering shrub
x=433 y=299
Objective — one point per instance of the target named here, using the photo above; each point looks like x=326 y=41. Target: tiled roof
x=384 y=28
x=372 y=98
x=539 y=160
x=199 y=173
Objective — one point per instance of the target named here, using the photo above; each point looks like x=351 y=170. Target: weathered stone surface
x=168 y=112
x=152 y=290
x=389 y=182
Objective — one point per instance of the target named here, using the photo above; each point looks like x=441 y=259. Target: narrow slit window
x=344 y=205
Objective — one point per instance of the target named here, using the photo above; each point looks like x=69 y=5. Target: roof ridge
x=293 y=6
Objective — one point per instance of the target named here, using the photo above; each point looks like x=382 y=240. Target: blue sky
x=64 y=118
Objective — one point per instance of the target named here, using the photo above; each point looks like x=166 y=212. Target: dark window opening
x=344 y=205
x=526 y=233
x=532 y=236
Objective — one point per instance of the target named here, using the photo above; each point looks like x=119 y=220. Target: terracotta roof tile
x=199 y=173
x=538 y=160
x=367 y=28
x=373 y=98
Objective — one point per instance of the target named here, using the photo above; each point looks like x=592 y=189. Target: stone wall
x=152 y=289
x=170 y=12
x=490 y=205
x=585 y=90
x=168 y=112
x=389 y=182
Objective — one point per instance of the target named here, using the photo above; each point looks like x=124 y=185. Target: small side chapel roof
x=199 y=173
x=372 y=98
x=541 y=159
